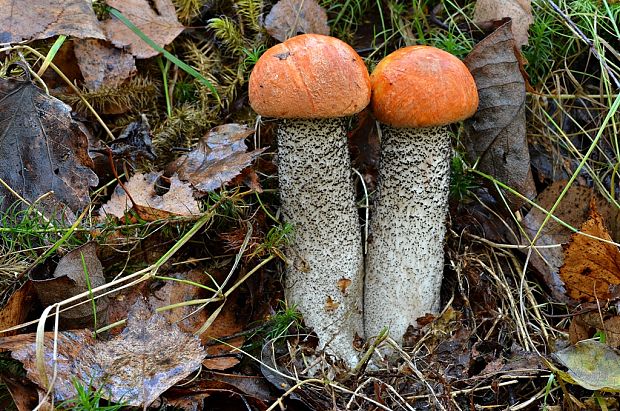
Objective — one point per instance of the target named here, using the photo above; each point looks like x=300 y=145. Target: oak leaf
x=102 y=64
x=135 y=367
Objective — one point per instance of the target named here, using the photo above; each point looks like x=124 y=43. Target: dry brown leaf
x=42 y=149
x=102 y=64
x=150 y=206
x=16 y=310
x=23 y=392
x=41 y=19
x=135 y=367
x=155 y=18
x=56 y=282
x=585 y=325
x=496 y=133
x=289 y=18
x=220 y=156
x=520 y=11
x=573 y=210
x=591 y=267
x=220 y=363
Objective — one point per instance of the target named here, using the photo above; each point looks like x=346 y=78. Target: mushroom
x=416 y=92
x=310 y=83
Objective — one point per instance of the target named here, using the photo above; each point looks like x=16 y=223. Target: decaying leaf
x=520 y=11
x=41 y=19
x=592 y=365
x=591 y=267
x=289 y=18
x=220 y=156
x=586 y=325
x=229 y=321
x=41 y=148
x=159 y=22
x=150 y=206
x=56 y=282
x=496 y=133
x=573 y=210
x=102 y=64
x=16 y=309
x=137 y=366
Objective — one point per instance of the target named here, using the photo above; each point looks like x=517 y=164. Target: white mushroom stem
x=324 y=273
x=405 y=260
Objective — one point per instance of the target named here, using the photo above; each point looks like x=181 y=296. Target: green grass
x=87 y=399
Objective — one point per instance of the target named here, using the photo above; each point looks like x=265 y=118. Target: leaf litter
x=135 y=367
x=482 y=337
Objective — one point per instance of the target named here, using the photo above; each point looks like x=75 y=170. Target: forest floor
x=142 y=247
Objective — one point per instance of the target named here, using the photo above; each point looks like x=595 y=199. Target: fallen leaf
x=591 y=267
x=157 y=19
x=135 y=367
x=586 y=325
x=592 y=365
x=41 y=149
x=150 y=206
x=17 y=308
x=220 y=156
x=229 y=321
x=57 y=282
x=289 y=18
x=23 y=392
x=101 y=64
x=220 y=363
x=520 y=11
x=496 y=134
x=573 y=210
x=41 y=19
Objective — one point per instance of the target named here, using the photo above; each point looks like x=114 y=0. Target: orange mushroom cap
x=422 y=86
x=309 y=76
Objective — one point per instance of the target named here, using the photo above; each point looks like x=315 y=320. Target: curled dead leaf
x=591 y=269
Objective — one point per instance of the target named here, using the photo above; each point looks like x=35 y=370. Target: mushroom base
x=405 y=260
x=324 y=274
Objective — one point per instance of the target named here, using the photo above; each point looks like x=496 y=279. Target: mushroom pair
x=312 y=83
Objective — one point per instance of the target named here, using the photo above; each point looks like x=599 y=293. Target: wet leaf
x=41 y=148
x=188 y=318
x=150 y=356
x=289 y=18
x=42 y=19
x=56 y=282
x=591 y=267
x=592 y=365
x=156 y=18
x=496 y=133
x=573 y=210
x=520 y=11
x=151 y=206
x=102 y=64
x=220 y=156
